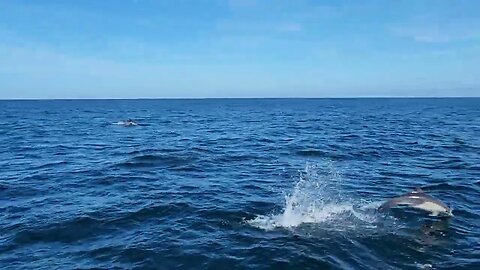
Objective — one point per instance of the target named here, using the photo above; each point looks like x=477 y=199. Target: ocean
x=237 y=183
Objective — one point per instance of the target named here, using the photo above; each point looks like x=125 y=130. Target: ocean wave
x=312 y=153
x=66 y=232
x=3 y=187
x=446 y=186
x=159 y=160
x=96 y=223
x=54 y=164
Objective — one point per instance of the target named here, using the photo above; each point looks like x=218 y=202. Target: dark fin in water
x=418 y=190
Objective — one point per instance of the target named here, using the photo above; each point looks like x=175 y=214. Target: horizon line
x=203 y=98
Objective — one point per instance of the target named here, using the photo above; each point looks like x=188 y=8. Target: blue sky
x=238 y=48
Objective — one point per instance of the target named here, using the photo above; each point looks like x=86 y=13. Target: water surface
x=237 y=184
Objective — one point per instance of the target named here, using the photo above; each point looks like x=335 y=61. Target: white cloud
x=241 y=4
x=261 y=27
x=438 y=31
x=31 y=72
x=290 y=27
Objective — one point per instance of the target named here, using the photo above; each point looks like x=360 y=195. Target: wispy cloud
x=241 y=4
x=68 y=75
x=276 y=16
x=261 y=27
x=438 y=30
x=290 y=27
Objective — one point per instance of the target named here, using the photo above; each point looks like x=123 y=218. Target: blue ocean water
x=237 y=183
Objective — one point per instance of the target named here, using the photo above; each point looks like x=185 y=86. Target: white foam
x=290 y=219
x=125 y=123
x=316 y=198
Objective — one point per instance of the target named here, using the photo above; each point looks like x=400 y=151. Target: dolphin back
x=393 y=203
x=416 y=199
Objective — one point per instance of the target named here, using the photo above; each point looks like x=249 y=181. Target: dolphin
x=129 y=122
x=419 y=200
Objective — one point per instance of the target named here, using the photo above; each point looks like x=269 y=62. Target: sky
x=238 y=48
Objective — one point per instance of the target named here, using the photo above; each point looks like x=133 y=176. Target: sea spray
x=316 y=198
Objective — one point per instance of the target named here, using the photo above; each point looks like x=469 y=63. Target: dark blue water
x=237 y=184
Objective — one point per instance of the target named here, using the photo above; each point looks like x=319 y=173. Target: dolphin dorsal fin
x=418 y=190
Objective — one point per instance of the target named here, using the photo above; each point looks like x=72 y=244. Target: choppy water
x=237 y=184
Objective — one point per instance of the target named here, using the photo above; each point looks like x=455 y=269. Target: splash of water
x=316 y=198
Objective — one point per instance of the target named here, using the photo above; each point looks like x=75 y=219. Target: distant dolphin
x=129 y=122
x=419 y=200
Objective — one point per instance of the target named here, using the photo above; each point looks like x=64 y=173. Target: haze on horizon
x=238 y=48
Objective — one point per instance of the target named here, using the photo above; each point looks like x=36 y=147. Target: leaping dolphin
x=419 y=200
